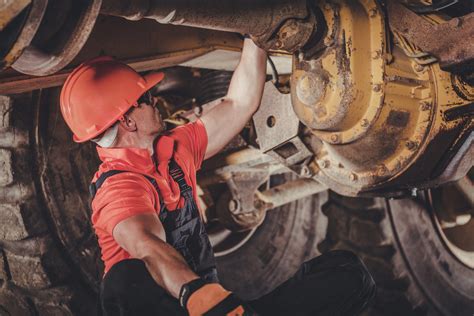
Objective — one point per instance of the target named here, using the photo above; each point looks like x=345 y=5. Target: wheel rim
x=225 y=241
x=453 y=216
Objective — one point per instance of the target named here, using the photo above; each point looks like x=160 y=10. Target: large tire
x=415 y=273
x=288 y=237
x=36 y=273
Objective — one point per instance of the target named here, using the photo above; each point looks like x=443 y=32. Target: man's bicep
x=122 y=196
x=132 y=232
x=223 y=123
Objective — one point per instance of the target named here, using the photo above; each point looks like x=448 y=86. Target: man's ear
x=128 y=123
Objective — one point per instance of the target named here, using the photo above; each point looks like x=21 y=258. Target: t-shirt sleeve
x=194 y=137
x=120 y=197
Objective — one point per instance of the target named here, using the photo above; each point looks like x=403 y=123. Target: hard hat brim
x=151 y=80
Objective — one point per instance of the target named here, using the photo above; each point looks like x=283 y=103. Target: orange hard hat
x=98 y=93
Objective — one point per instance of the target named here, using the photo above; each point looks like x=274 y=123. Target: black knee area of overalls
x=128 y=280
x=349 y=262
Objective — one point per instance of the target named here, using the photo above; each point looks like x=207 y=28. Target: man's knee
x=351 y=264
x=129 y=278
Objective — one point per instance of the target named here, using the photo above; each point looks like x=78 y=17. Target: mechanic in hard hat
x=157 y=255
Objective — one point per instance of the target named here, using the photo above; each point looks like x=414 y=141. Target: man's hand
x=199 y=298
x=228 y=118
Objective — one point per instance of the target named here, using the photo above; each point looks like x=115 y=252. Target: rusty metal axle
x=273 y=24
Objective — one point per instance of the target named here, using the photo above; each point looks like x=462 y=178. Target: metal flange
x=55 y=45
x=19 y=31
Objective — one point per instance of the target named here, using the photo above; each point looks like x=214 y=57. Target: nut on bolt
x=377 y=87
x=234 y=206
x=419 y=67
x=305 y=172
x=411 y=145
x=324 y=164
x=334 y=138
x=364 y=123
x=373 y=12
x=425 y=106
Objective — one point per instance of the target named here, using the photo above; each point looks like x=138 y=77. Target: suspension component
x=276 y=24
x=378 y=110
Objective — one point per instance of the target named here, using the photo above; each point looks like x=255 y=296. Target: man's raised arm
x=229 y=117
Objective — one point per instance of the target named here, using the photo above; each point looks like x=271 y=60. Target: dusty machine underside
x=365 y=98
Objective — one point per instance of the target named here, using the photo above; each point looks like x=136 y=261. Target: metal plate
x=275 y=121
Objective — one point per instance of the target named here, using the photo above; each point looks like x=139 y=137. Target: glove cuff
x=188 y=289
x=205 y=298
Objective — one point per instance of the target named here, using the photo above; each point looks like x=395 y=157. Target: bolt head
x=334 y=138
x=411 y=145
x=381 y=170
x=324 y=164
x=373 y=12
x=419 y=67
x=377 y=88
x=353 y=177
x=234 y=206
x=305 y=171
x=425 y=106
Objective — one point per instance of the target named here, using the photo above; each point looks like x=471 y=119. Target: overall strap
x=175 y=171
x=178 y=175
x=95 y=186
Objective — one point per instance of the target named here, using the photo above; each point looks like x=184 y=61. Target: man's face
x=147 y=116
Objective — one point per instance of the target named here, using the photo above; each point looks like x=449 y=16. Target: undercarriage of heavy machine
x=368 y=99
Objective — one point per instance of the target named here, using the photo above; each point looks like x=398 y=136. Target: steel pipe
x=281 y=24
x=288 y=192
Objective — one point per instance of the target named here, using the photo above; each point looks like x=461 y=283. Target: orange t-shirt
x=130 y=193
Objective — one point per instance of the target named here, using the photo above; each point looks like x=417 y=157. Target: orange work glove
x=211 y=299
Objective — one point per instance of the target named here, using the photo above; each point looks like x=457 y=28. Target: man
x=158 y=259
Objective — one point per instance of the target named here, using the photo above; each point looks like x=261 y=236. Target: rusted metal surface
x=50 y=38
x=293 y=153
x=20 y=32
x=275 y=121
x=236 y=208
x=379 y=115
x=278 y=24
x=10 y=9
x=181 y=45
x=49 y=54
x=327 y=91
x=453 y=212
x=288 y=192
x=451 y=42
x=17 y=83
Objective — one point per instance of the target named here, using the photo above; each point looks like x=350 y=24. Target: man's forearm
x=248 y=80
x=166 y=265
x=229 y=117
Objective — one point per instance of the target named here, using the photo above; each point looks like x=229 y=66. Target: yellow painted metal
x=379 y=108
x=341 y=96
x=10 y=9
